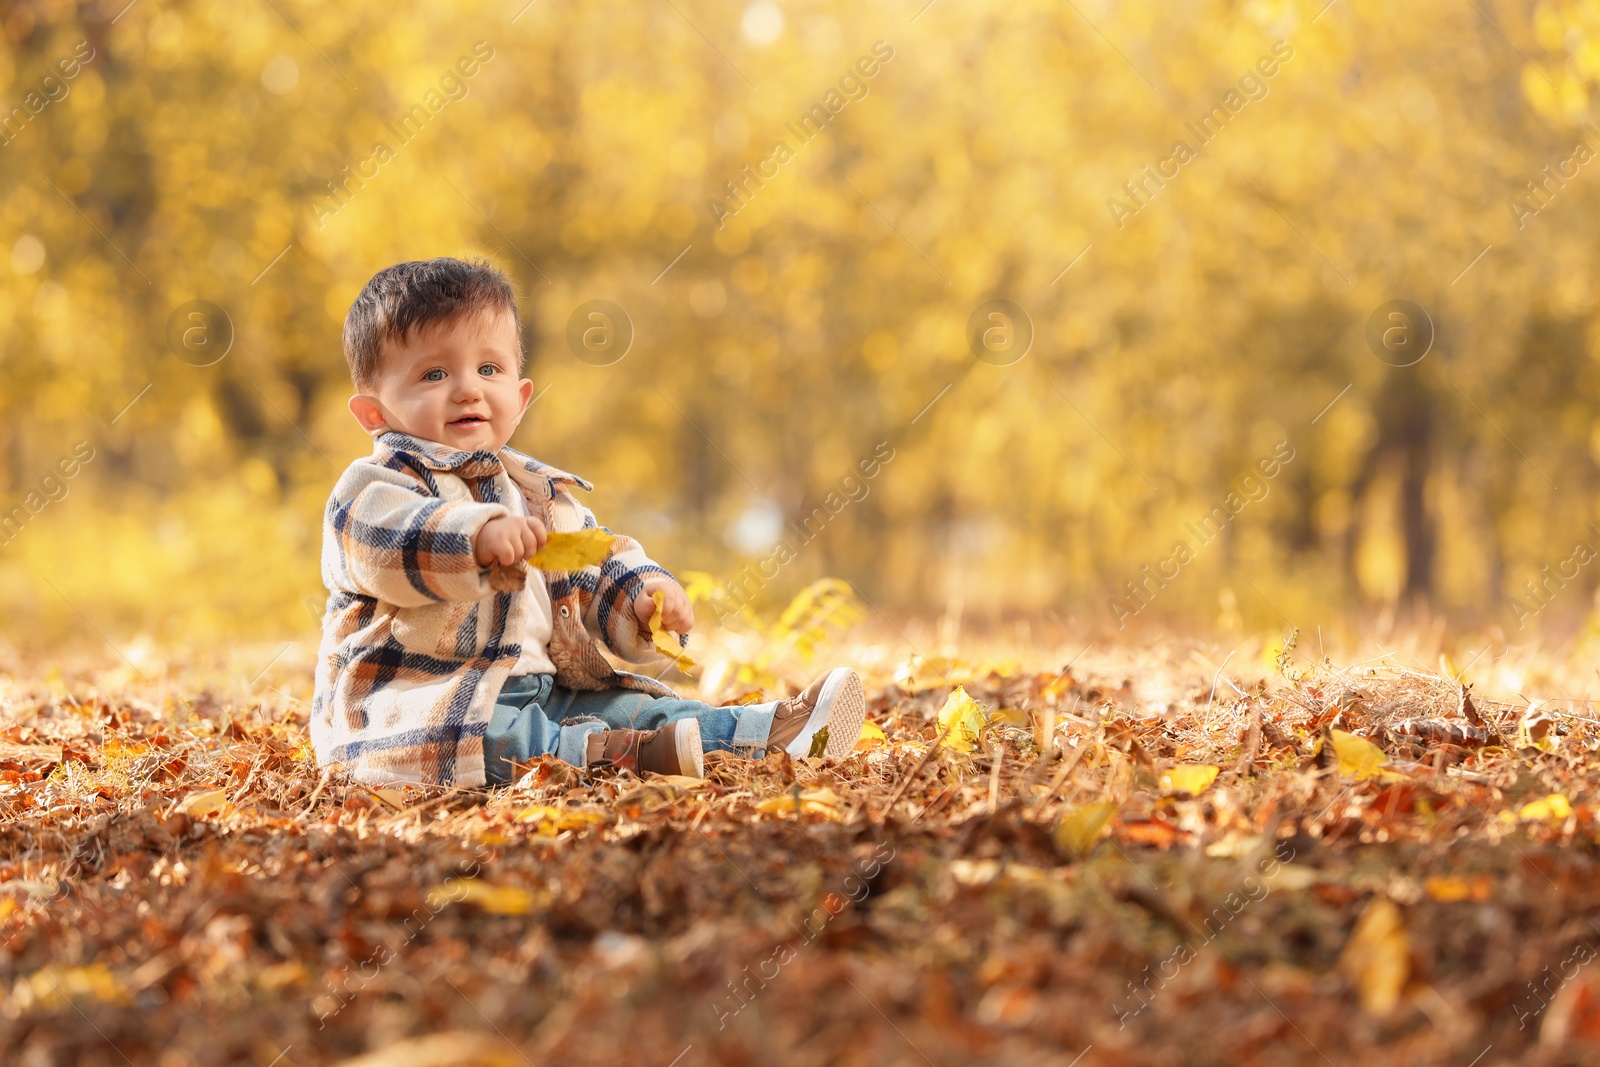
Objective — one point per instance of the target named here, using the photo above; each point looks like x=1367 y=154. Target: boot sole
x=689 y=748
x=842 y=707
x=848 y=712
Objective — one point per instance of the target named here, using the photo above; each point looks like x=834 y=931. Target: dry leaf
x=1190 y=778
x=1555 y=806
x=872 y=736
x=462 y=1048
x=494 y=899
x=1149 y=832
x=1083 y=829
x=965 y=720
x=205 y=803
x=1377 y=957
x=824 y=802
x=552 y=820
x=1537 y=729
x=1060 y=685
x=1358 y=758
x=395 y=798
x=55 y=987
x=1448 y=888
x=666 y=641
x=573 y=551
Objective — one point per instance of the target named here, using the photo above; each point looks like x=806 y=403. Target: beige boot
x=833 y=702
x=673 y=749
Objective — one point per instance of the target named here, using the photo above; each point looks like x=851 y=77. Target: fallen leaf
x=552 y=820
x=494 y=899
x=573 y=551
x=824 y=802
x=1190 y=778
x=965 y=720
x=666 y=642
x=1448 y=889
x=55 y=987
x=462 y=1048
x=1537 y=729
x=393 y=797
x=1554 y=806
x=1083 y=829
x=1292 y=876
x=1150 y=832
x=205 y=803
x=872 y=736
x=1377 y=957
x=1060 y=685
x=1574 y=1012
x=1357 y=757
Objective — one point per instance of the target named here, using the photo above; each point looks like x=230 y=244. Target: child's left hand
x=677 y=614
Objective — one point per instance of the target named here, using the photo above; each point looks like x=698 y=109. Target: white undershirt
x=535 y=658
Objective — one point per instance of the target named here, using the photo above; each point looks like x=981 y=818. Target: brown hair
x=416 y=295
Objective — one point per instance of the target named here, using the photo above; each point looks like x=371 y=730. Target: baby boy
x=445 y=659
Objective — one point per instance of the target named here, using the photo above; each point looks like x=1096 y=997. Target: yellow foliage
x=823 y=802
x=573 y=551
x=666 y=642
x=1357 y=757
x=247 y=174
x=552 y=820
x=1377 y=957
x=1546 y=809
x=1083 y=829
x=872 y=736
x=1190 y=778
x=965 y=720
x=494 y=899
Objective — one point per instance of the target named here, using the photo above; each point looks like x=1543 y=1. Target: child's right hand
x=508 y=540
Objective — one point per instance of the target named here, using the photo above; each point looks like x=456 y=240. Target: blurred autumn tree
x=190 y=158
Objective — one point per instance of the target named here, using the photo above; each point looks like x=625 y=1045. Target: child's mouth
x=466 y=421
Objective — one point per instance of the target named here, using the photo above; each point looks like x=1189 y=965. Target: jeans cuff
x=753 y=725
x=575 y=739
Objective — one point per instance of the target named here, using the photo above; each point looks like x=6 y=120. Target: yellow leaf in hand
x=963 y=717
x=666 y=642
x=1191 y=778
x=573 y=551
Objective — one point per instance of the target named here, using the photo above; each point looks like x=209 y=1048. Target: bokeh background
x=1165 y=337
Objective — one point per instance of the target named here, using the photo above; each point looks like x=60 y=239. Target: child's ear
x=524 y=395
x=368 y=413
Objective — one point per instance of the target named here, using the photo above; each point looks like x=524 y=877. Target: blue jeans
x=533 y=716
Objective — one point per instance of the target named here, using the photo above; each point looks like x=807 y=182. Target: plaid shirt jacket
x=418 y=639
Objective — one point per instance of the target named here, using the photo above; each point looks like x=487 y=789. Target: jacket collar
x=441 y=457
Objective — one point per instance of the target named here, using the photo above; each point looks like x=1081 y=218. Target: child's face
x=454 y=382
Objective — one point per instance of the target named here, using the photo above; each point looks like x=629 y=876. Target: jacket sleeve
x=614 y=583
x=387 y=537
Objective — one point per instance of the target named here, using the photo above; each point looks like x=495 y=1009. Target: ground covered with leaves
x=1143 y=857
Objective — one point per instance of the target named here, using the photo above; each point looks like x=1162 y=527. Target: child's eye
x=435 y=375
x=488 y=370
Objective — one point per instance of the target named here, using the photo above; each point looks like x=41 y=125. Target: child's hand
x=677 y=614
x=508 y=540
